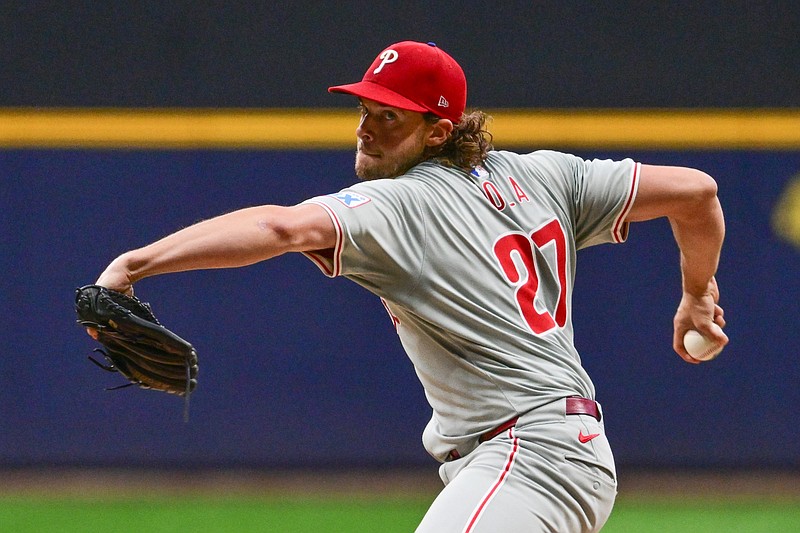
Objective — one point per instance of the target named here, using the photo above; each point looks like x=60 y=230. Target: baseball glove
x=135 y=344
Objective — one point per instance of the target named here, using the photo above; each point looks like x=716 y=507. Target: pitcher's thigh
x=504 y=486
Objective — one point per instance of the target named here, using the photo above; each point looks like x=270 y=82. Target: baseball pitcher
x=473 y=252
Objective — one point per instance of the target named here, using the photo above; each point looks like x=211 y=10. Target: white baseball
x=699 y=347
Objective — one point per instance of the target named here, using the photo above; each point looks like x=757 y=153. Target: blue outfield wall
x=297 y=369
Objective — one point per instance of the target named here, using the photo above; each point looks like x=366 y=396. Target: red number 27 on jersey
x=516 y=255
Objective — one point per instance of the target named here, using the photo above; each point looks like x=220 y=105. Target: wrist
x=118 y=274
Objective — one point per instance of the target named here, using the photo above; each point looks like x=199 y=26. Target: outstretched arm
x=236 y=239
x=688 y=198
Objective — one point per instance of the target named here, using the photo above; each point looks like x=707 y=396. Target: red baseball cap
x=414 y=76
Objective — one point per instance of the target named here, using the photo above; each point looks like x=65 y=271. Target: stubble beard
x=368 y=168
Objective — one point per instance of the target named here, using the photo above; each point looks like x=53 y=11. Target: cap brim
x=379 y=93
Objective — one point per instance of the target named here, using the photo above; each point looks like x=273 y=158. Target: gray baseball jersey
x=476 y=271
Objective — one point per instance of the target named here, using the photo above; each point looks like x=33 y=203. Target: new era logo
x=443 y=102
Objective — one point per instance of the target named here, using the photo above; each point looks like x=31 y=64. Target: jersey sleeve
x=380 y=234
x=594 y=195
x=604 y=194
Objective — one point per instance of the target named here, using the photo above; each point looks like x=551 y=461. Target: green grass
x=705 y=516
x=207 y=515
x=385 y=515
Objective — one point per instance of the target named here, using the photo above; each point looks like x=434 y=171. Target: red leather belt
x=492 y=433
x=575 y=406
x=583 y=406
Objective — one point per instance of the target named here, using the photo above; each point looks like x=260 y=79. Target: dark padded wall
x=285 y=54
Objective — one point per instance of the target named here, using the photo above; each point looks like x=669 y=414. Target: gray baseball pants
x=551 y=472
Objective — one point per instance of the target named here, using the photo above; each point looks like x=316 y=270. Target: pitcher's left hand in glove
x=135 y=344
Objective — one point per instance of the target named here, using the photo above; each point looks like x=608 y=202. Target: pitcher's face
x=390 y=140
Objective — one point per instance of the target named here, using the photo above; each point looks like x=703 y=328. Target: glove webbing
x=112 y=368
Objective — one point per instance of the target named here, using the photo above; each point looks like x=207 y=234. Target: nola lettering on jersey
x=351 y=199
x=495 y=196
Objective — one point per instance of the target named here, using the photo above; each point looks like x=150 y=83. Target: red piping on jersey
x=620 y=224
x=336 y=261
x=512 y=455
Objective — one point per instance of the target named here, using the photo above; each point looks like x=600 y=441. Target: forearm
x=699 y=231
x=699 y=234
x=236 y=239
x=688 y=198
x=232 y=240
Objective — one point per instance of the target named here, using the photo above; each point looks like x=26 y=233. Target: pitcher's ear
x=439 y=132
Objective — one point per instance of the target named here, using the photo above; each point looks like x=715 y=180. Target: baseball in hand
x=699 y=347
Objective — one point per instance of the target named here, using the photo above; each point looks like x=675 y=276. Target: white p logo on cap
x=387 y=56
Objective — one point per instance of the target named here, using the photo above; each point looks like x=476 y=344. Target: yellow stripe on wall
x=652 y=129
x=771 y=129
x=176 y=128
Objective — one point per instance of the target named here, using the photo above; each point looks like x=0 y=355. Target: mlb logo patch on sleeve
x=351 y=199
